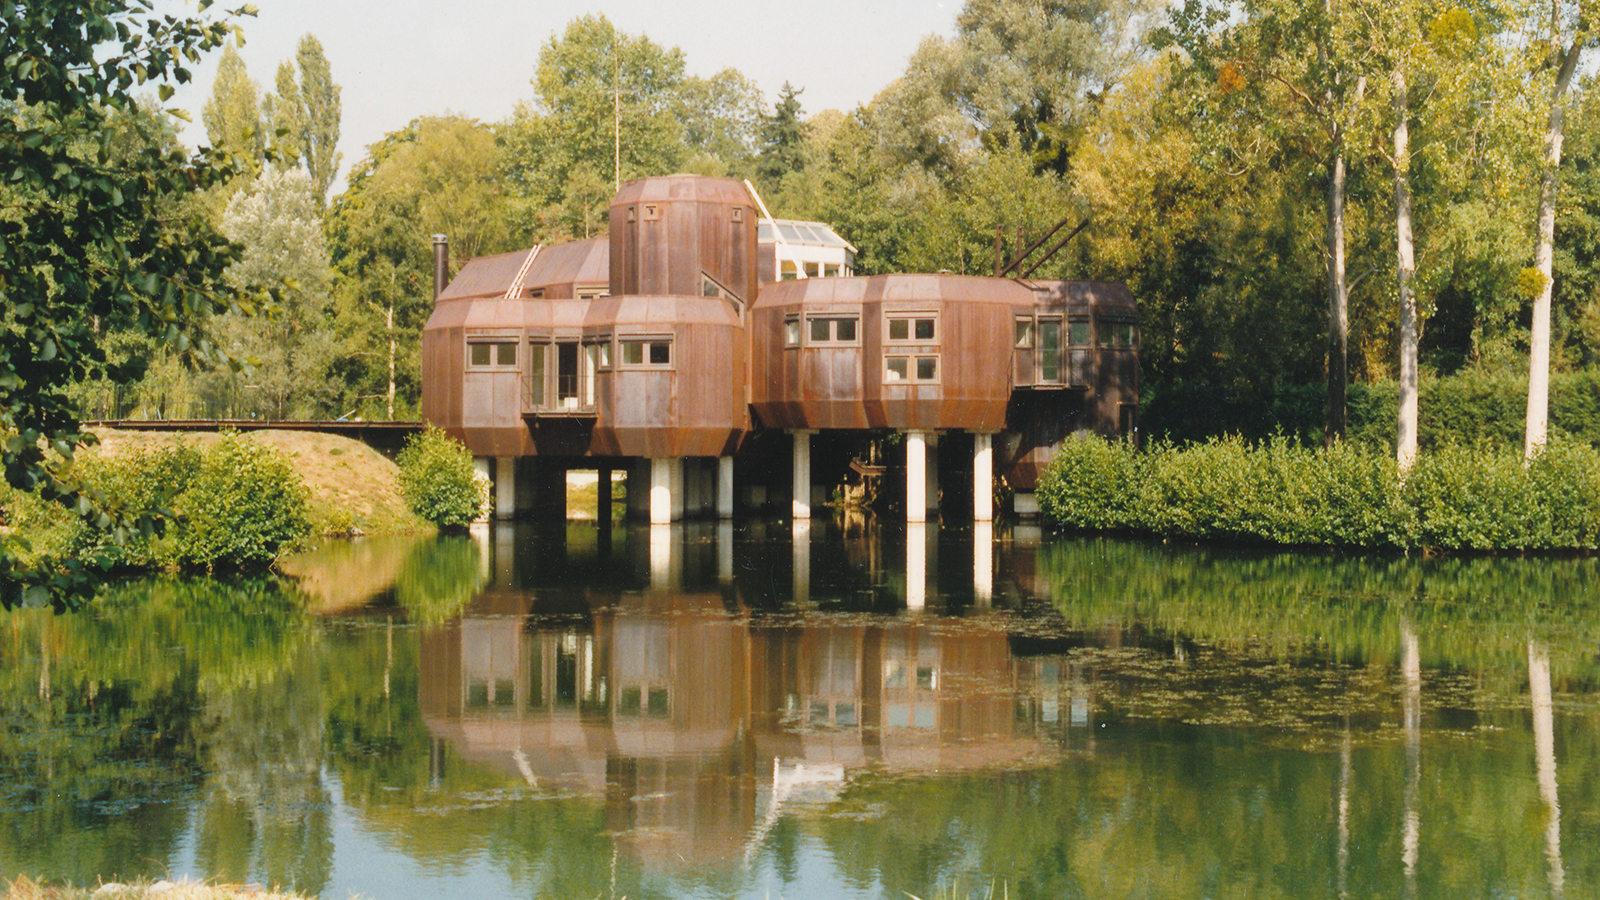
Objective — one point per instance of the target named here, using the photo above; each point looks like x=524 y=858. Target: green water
x=762 y=712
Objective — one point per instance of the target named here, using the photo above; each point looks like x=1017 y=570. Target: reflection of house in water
x=696 y=724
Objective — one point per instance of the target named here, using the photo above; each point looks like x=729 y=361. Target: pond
x=845 y=709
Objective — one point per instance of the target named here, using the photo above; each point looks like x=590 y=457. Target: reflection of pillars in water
x=388 y=655
x=505 y=555
x=1344 y=814
x=1544 y=744
x=663 y=574
x=1411 y=676
x=983 y=561
x=602 y=487
x=802 y=561
x=479 y=532
x=436 y=748
x=916 y=565
x=725 y=551
x=44 y=662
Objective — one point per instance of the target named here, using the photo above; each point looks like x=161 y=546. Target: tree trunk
x=1338 y=301
x=1410 y=327
x=1537 y=429
x=389 y=322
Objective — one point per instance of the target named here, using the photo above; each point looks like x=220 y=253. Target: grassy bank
x=1454 y=500
x=239 y=500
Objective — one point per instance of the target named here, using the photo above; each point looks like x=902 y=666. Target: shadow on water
x=815 y=710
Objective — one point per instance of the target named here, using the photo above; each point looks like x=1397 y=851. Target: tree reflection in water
x=769 y=710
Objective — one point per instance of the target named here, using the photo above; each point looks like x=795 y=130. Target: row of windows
x=631 y=352
x=1047 y=333
x=845 y=330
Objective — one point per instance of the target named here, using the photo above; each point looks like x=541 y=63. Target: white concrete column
x=505 y=487
x=983 y=562
x=724 y=487
x=666 y=490
x=916 y=565
x=916 y=477
x=982 y=477
x=802 y=472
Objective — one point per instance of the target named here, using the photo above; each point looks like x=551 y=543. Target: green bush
x=1455 y=499
x=242 y=506
x=438 y=481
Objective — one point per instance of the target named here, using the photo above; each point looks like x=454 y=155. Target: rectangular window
x=912 y=328
x=911 y=368
x=1049 y=367
x=830 y=329
x=492 y=354
x=533 y=385
x=1024 y=334
x=1078 y=334
x=791 y=332
x=652 y=352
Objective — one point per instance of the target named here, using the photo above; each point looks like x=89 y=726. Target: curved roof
x=684 y=187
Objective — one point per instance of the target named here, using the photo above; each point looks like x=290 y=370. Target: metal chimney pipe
x=441 y=264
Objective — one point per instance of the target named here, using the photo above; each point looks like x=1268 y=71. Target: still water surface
x=704 y=711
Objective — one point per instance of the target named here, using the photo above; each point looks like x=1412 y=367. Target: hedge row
x=1455 y=499
x=1471 y=409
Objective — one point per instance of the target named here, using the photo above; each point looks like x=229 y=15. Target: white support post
x=481 y=468
x=983 y=562
x=916 y=476
x=666 y=493
x=505 y=487
x=916 y=565
x=982 y=477
x=802 y=473
x=724 y=487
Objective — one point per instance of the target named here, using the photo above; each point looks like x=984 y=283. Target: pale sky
x=399 y=59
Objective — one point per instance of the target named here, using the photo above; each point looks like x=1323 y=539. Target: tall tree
x=782 y=139
x=321 y=108
x=285 y=112
x=93 y=240
x=232 y=114
x=721 y=120
x=1563 y=61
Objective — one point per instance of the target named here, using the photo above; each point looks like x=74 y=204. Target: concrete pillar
x=480 y=467
x=666 y=490
x=916 y=476
x=505 y=487
x=802 y=473
x=724 y=487
x=1026 y=505
x=639 y=489
x=916 y=565
x=982 y=477
x=983 y=562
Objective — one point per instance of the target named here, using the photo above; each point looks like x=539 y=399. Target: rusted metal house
x=664 y=347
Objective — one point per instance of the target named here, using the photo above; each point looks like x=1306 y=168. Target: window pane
x=924 y=329
x=505 y=354
x=535 y=382
x=632 y=353
x=898 y=368
x=846 y=329
x=1024 y=333
x=819 y=329
x=927 y=368
x=1049 y=335
x=1078 y=334
x=480 y=354
x=660 y=353
x=605 y=355
x=899 y=329
x=791 y=332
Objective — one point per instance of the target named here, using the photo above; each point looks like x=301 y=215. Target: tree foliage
x=91 y=239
